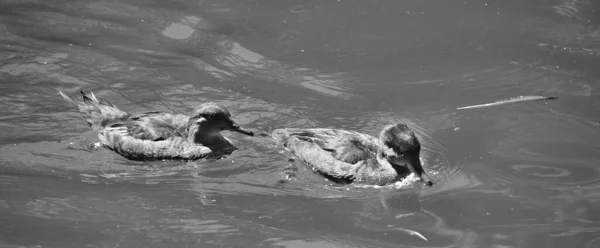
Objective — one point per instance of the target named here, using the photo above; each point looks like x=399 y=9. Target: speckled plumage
x=348 y=156
x=159 y=135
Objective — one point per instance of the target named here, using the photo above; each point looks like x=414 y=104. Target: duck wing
x=118 y=138
x=334 y=153
x=157 y=125
x=177 y=120
x=151 y=129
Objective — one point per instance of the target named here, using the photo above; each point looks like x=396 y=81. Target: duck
x=159 y=135
x=351 y=157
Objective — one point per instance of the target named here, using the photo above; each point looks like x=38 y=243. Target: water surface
x=516 y=175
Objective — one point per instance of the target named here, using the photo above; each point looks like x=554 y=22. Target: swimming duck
x=347 y=156
x=159 y=135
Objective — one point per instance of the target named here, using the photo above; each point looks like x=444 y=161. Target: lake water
x=516 y=175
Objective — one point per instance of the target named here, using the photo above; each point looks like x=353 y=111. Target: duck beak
x=414 y=165
x=236 y=128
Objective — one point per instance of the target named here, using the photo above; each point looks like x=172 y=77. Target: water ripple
x=550 y=156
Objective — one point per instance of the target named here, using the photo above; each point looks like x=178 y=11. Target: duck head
x=209 y=119
x=401 y=149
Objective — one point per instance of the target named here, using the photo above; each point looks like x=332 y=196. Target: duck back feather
x=342 y=156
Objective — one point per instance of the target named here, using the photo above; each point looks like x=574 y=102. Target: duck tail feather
x=93 y=99
x=98 y=112
x=67 y=98
x=87 y=99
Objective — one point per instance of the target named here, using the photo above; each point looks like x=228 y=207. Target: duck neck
x=384 y=162
x=207 y=137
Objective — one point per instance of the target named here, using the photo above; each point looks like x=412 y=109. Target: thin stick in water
x=511 y=100
x=411 y=232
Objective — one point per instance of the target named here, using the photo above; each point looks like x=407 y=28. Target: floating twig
x=411 y=232
x=511 y=100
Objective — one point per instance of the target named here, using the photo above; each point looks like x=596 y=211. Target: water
x=516 y=175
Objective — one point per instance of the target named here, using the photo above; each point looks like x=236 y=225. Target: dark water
x=519 y=175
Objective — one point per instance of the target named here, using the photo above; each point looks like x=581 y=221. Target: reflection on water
x=518 y=175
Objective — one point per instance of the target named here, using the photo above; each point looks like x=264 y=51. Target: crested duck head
x=209 y=119
x=401 y=148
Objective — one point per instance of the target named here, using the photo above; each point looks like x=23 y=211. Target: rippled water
x=516 y=175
